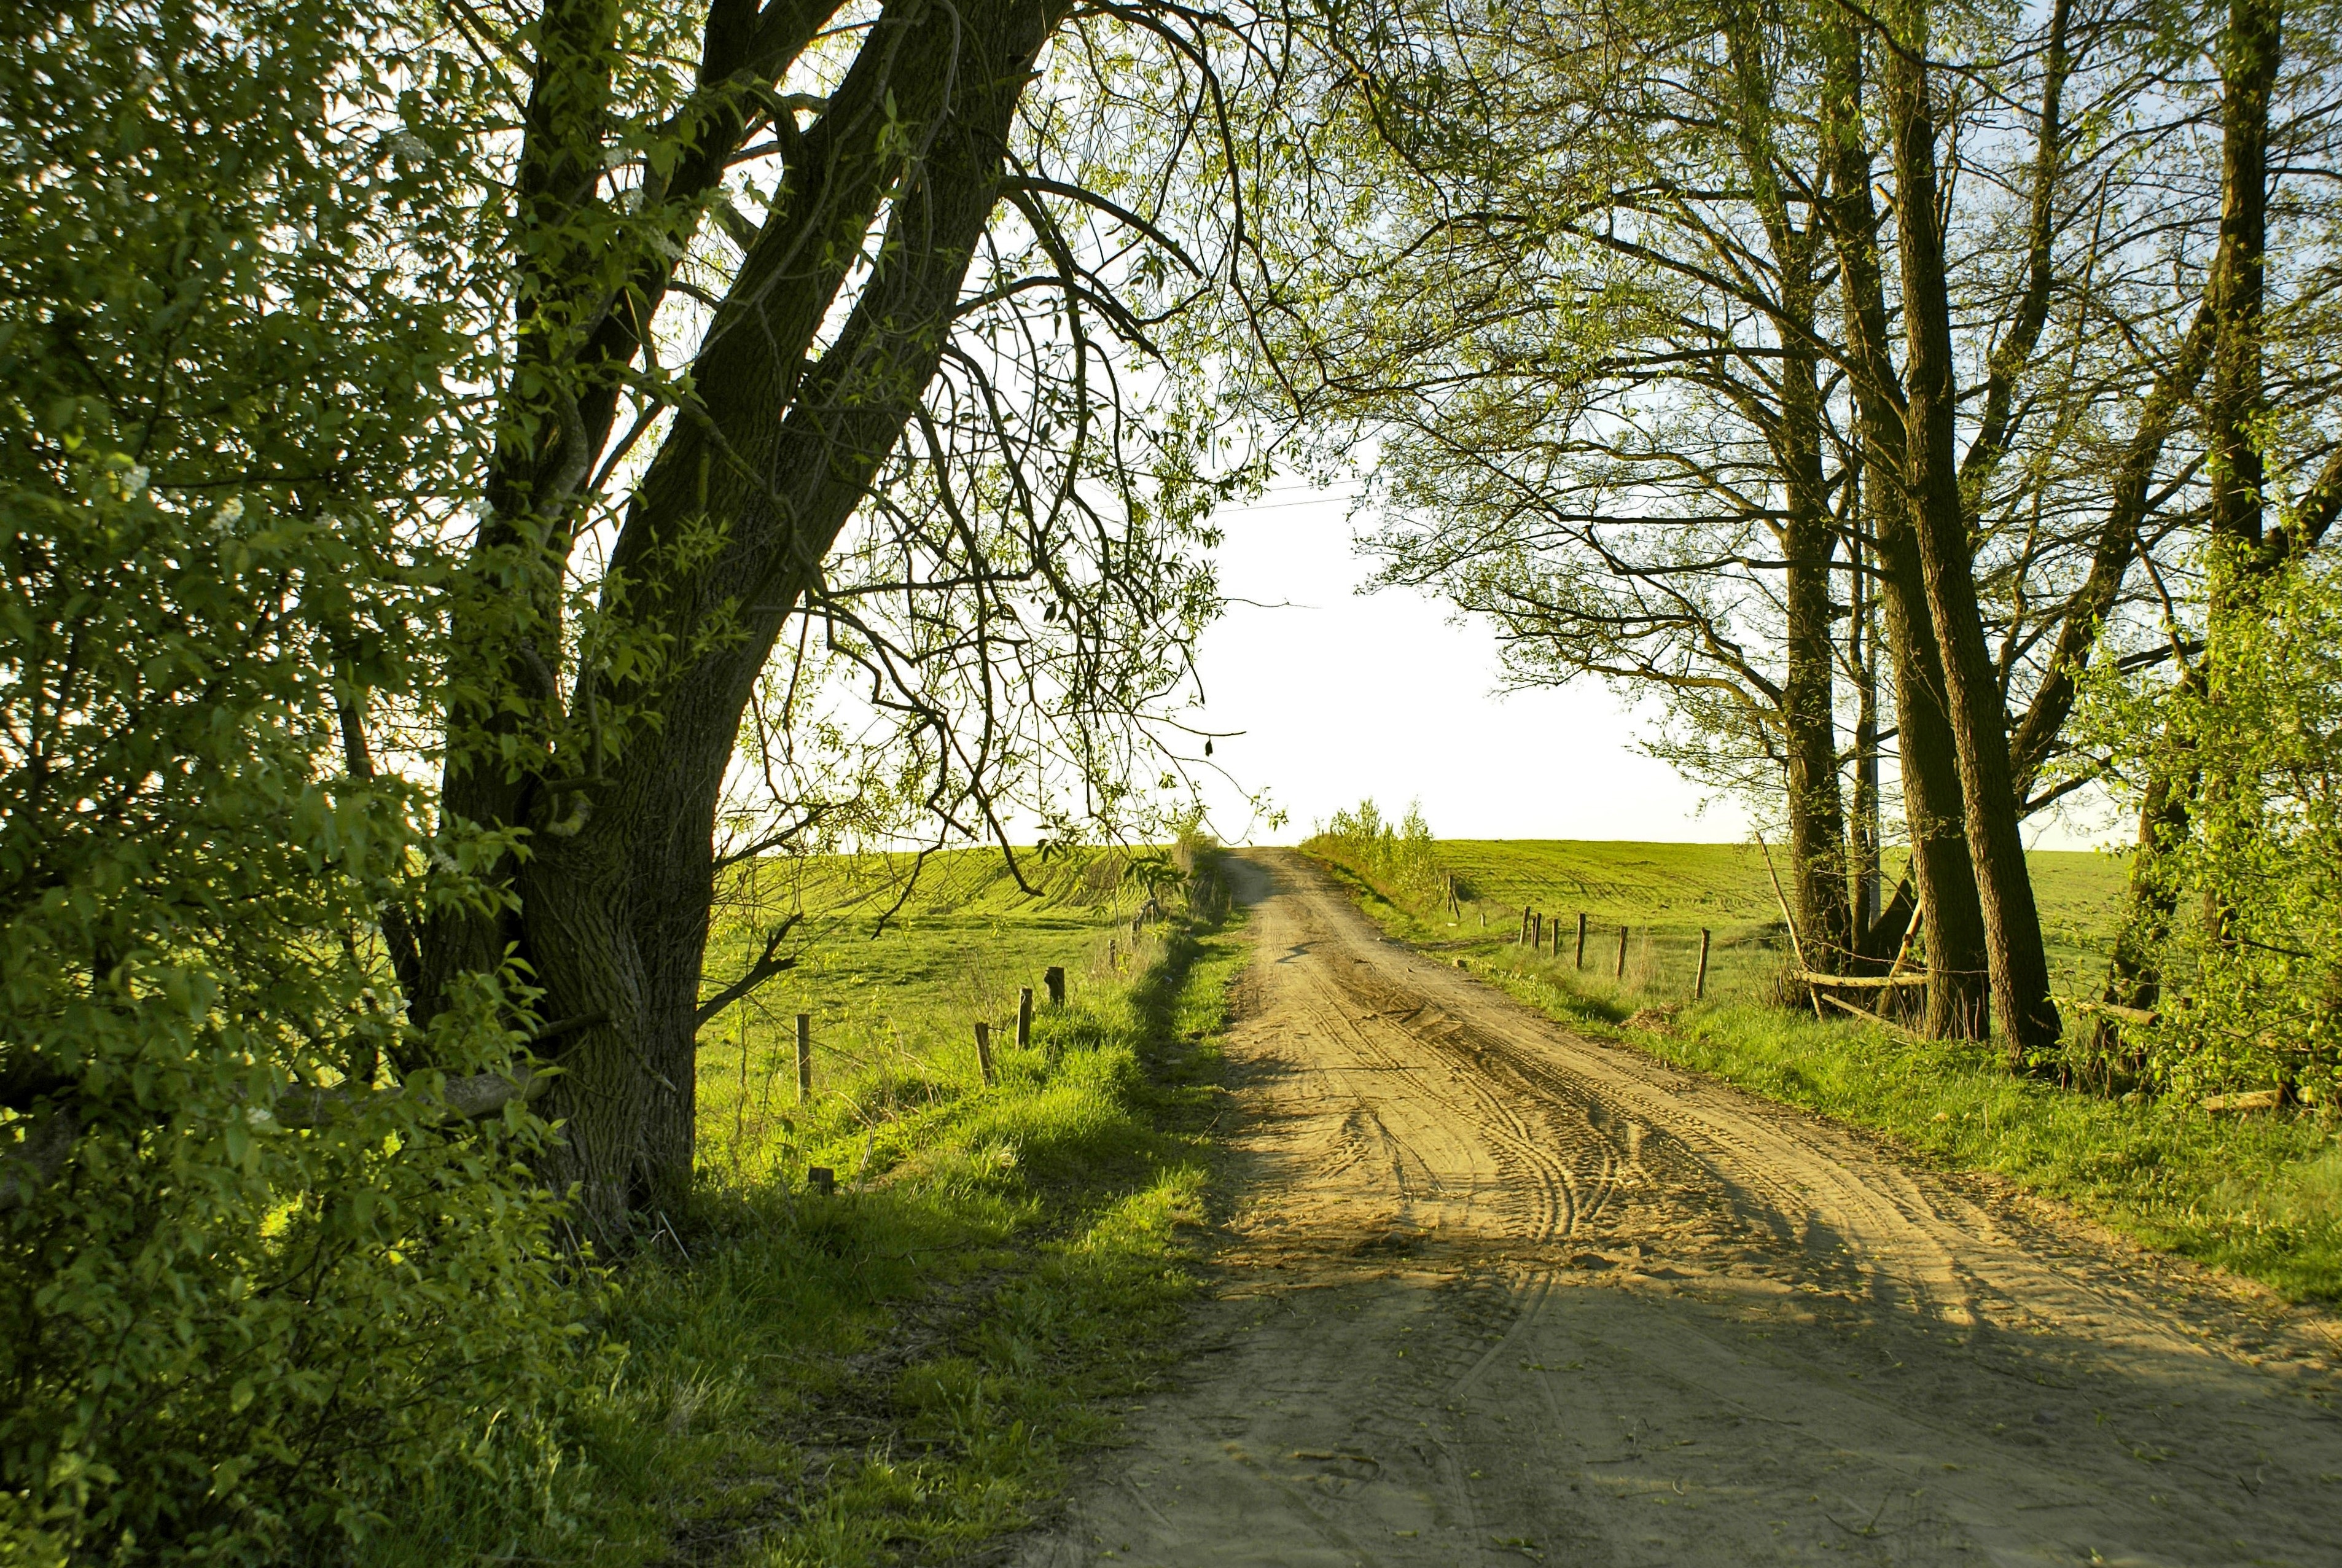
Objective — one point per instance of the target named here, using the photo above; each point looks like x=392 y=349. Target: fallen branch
x=2114 y=1010
x=465 y=1099
x=1866 y=1015
x=1867 y=982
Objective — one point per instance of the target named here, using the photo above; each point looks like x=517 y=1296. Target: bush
x=1398 y=856
x=228 y=1332
x=2259 y=944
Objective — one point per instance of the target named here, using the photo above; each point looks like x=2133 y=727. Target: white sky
x=1340 y=696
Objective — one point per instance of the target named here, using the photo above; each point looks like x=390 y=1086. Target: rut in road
x=1492 y=1293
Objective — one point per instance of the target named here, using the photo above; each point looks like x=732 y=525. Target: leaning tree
x=823 y=328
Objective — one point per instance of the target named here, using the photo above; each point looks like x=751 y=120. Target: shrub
x=228 y=1332
x=2259 y=944
x=1398 y=856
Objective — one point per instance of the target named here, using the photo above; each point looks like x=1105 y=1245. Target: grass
x=1664 y=894
x=901 y=1370
x=2259 y=1195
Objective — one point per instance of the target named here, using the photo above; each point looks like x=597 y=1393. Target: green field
x=903 y=1370
x=899 y=960
x=1664 y=894
x=2259 y=1195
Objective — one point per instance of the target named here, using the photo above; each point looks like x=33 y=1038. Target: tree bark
x=1864 y=841
x=724 y=538
x=1941 y=869
x=1808 y=541
x=2014 y=955
x=1808 y=697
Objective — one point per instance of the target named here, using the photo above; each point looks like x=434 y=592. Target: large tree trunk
x=2014 y=955
x=1863 y=840
x=1957 y=984
x=2248 y=65
x=725 y=536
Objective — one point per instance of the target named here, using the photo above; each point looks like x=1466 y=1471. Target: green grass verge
x=2260 y=1196
x=901 y=1371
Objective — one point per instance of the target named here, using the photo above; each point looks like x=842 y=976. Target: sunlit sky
x=1338 y=696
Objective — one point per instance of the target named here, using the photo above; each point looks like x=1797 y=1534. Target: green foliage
x=2254 y=961
x=1395 y=855
x=220 y=1336
x=901 y=1371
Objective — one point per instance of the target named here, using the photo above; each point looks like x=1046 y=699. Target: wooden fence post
x=984 y=1052
x=1024 y=1018
x=1581 y=939
x=1537 y=930
x=740 y=1112
x=1699 y=987
x=1622 y=954
x=1525 y=925
x=1053 y=977
x=804 y=1057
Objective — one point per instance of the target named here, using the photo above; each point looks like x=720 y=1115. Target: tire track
x=1490 y=1293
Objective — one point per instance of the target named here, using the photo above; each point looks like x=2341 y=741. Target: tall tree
x=1585 y=342
x=795 y=356
x=2227 y=338
x=1931 y=481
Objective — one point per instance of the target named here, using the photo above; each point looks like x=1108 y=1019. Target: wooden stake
x=1699 y=987
x=1581 y=939
x=1622 y=954
x=1053 y=977
x=1024 y=1018
x=984 y=1052
x=740 y=1120
x=1903 y=949
x=804 y=1057
x=1796 y=947
x=1537 y=931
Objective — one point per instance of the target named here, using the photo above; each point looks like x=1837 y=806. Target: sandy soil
x=1493 y=1292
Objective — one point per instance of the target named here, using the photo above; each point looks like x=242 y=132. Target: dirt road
x=1494 y=1293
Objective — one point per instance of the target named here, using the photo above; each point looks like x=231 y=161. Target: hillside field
x=1665 y=893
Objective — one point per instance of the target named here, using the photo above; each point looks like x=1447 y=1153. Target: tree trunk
x=2018 y=963
x=1808 y=542
x=725 y=537
x=2236 y=287
x=2134 y=975
x=1862 y=661
x=1809 y=698
x=1940 y=867
x=2234 y=291
x=1958 y=963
